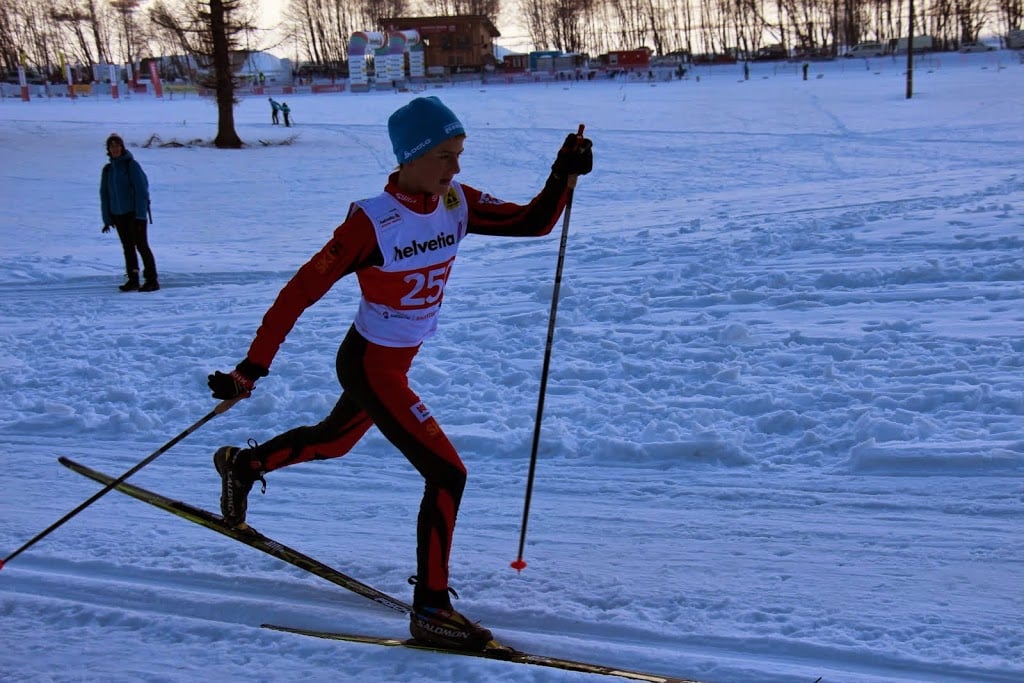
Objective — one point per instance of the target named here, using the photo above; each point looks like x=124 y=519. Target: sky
x=782 y=436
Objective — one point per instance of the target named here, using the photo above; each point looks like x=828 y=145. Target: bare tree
x=35 y=37
x=127 y=27
x=717 y=35
x=322 y=29
x=209 y=30
x=98 y=28
x=535 y=15
x=970 y=16
x=749 y=19
x=84 y=22
x=803 y=21
x=630 y=17
x=1011 y=13
x=679 y=18
x=450 y=8
x=8 y=43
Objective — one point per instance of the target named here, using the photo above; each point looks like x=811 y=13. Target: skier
x=274 y=108
x=401 y=245
x=124 y=204
x=286 y=111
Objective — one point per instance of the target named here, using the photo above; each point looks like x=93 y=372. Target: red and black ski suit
x=401 y=248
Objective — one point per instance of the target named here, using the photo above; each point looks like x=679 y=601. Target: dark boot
x=132 y=285
x=237 y=478
x=447 y=628
x=149 y=286
x=433 y=621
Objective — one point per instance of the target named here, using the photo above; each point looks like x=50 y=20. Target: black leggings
x=132 y=232
x=376 y=392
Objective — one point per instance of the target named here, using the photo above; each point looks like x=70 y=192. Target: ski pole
x=519 y=564
x=220 y=408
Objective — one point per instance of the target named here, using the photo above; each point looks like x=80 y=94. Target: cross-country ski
x=501 y=653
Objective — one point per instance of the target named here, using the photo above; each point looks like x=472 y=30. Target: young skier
x=400 y=245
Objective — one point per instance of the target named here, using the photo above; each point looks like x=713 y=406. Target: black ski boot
x=433 y=621
x=447 y=628
x=236 y=480
x=132 y=285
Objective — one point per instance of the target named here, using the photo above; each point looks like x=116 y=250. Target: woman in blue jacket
x=124 y=201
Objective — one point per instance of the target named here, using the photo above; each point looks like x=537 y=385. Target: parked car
x=813 y=54
x=871 y=49
x=771 y=52
x=976 y=47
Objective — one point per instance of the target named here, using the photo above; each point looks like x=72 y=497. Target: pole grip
x=573 y=177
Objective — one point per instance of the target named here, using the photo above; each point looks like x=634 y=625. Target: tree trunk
x=226 y=138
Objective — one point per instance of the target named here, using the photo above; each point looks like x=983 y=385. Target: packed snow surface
x=783 y=434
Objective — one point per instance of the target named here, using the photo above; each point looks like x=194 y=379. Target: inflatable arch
x=389 y=50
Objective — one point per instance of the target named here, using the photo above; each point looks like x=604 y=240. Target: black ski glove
x=238 y=383
x=576 y=157
x=106 y=229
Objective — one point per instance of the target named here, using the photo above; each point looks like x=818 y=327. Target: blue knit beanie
x=420 y=126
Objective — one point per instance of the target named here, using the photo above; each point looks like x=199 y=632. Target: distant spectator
x=124 y=202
